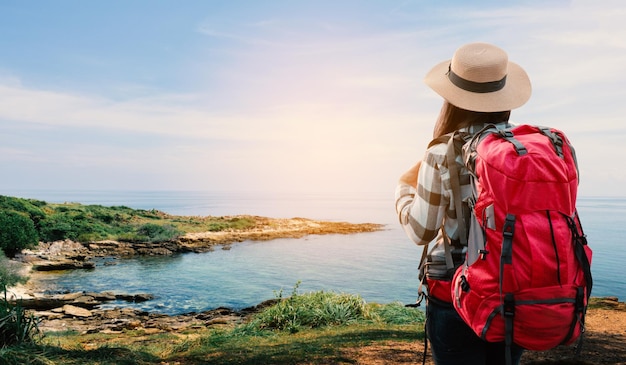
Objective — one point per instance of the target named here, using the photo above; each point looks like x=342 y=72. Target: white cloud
x=320 y=104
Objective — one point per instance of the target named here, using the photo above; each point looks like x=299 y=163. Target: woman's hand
x=410 y=177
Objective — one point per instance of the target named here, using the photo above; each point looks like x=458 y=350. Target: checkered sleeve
x=421 y=211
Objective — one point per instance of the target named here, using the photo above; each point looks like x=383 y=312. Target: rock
x=104 y=296
x=128 y=311
x=120 y=319
x=40 y=303
x=110 y=332
x=216 y=321
x=50 y=315
x=111 y=314
x=213 y=313
x=114 y=248
x=158 y=251
x=134 y=298
x=85 y=301
x=77 y=257
x=63 y=264
x=260 y=306
x=71 y=296
x=62 y=247
x=76 y=311
x=143 y=297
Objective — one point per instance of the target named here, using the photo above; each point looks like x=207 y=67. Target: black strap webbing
x=509 y=313
x=508 y=136
x=507 y=239
x=508 y=306
x=557 y=141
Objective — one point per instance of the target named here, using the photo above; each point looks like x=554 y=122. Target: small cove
x=379 y=266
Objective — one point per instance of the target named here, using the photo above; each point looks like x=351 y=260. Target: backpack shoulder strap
x=455 y=184
x=441 y=139
x=558 y=139
x=455 y=141
x=469 y=149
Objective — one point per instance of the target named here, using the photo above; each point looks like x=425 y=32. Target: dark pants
x=453 y=342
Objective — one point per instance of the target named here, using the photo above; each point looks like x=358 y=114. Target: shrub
x=73 y=225
x=311 y=310
x=28 y=206
x=55 y=228
x=9 y=275
x=240 y=223
x=16 y=326
x=17 y=231
x=151 y=232
x=221 y=224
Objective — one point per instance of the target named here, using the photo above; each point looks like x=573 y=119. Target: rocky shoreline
x=68 y=255
x=81 y=311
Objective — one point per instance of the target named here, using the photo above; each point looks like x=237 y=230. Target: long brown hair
x=452 y=118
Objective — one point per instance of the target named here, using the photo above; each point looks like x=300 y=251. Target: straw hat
x=479 y=77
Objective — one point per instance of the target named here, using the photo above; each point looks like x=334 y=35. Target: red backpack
x=526 y=278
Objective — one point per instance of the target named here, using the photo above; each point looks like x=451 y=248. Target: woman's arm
x=420 y=203
x=410 y=177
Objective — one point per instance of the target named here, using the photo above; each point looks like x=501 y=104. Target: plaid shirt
x=424 y=211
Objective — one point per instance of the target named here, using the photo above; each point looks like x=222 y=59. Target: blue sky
x=301 y=96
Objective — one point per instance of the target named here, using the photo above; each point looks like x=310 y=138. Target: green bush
x=28 y=206
x=222 y=224
x=73 y=225
x=151 y=232
x=17 y=231
x=16 y=326
x=311 y=310
x=9 y=275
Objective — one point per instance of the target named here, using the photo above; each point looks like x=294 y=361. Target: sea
x=379 y=266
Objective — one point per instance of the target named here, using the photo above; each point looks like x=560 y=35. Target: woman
x=479 y=86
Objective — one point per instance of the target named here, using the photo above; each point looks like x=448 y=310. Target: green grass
x=326 y=324
x=321 y=345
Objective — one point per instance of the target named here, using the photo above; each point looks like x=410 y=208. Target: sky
x=295 y=96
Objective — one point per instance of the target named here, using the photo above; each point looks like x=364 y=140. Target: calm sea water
x=379 y=266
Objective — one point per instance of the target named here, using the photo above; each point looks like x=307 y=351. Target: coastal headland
x=69 y=254
x=79 y=310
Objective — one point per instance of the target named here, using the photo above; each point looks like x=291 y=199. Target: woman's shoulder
x=438 y=148
x=436 y=153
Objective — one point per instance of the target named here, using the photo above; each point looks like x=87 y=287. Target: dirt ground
x=604 y=343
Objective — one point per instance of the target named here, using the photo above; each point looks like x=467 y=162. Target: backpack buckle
x=505 y=133
x=508 y=307
x=464 y=284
